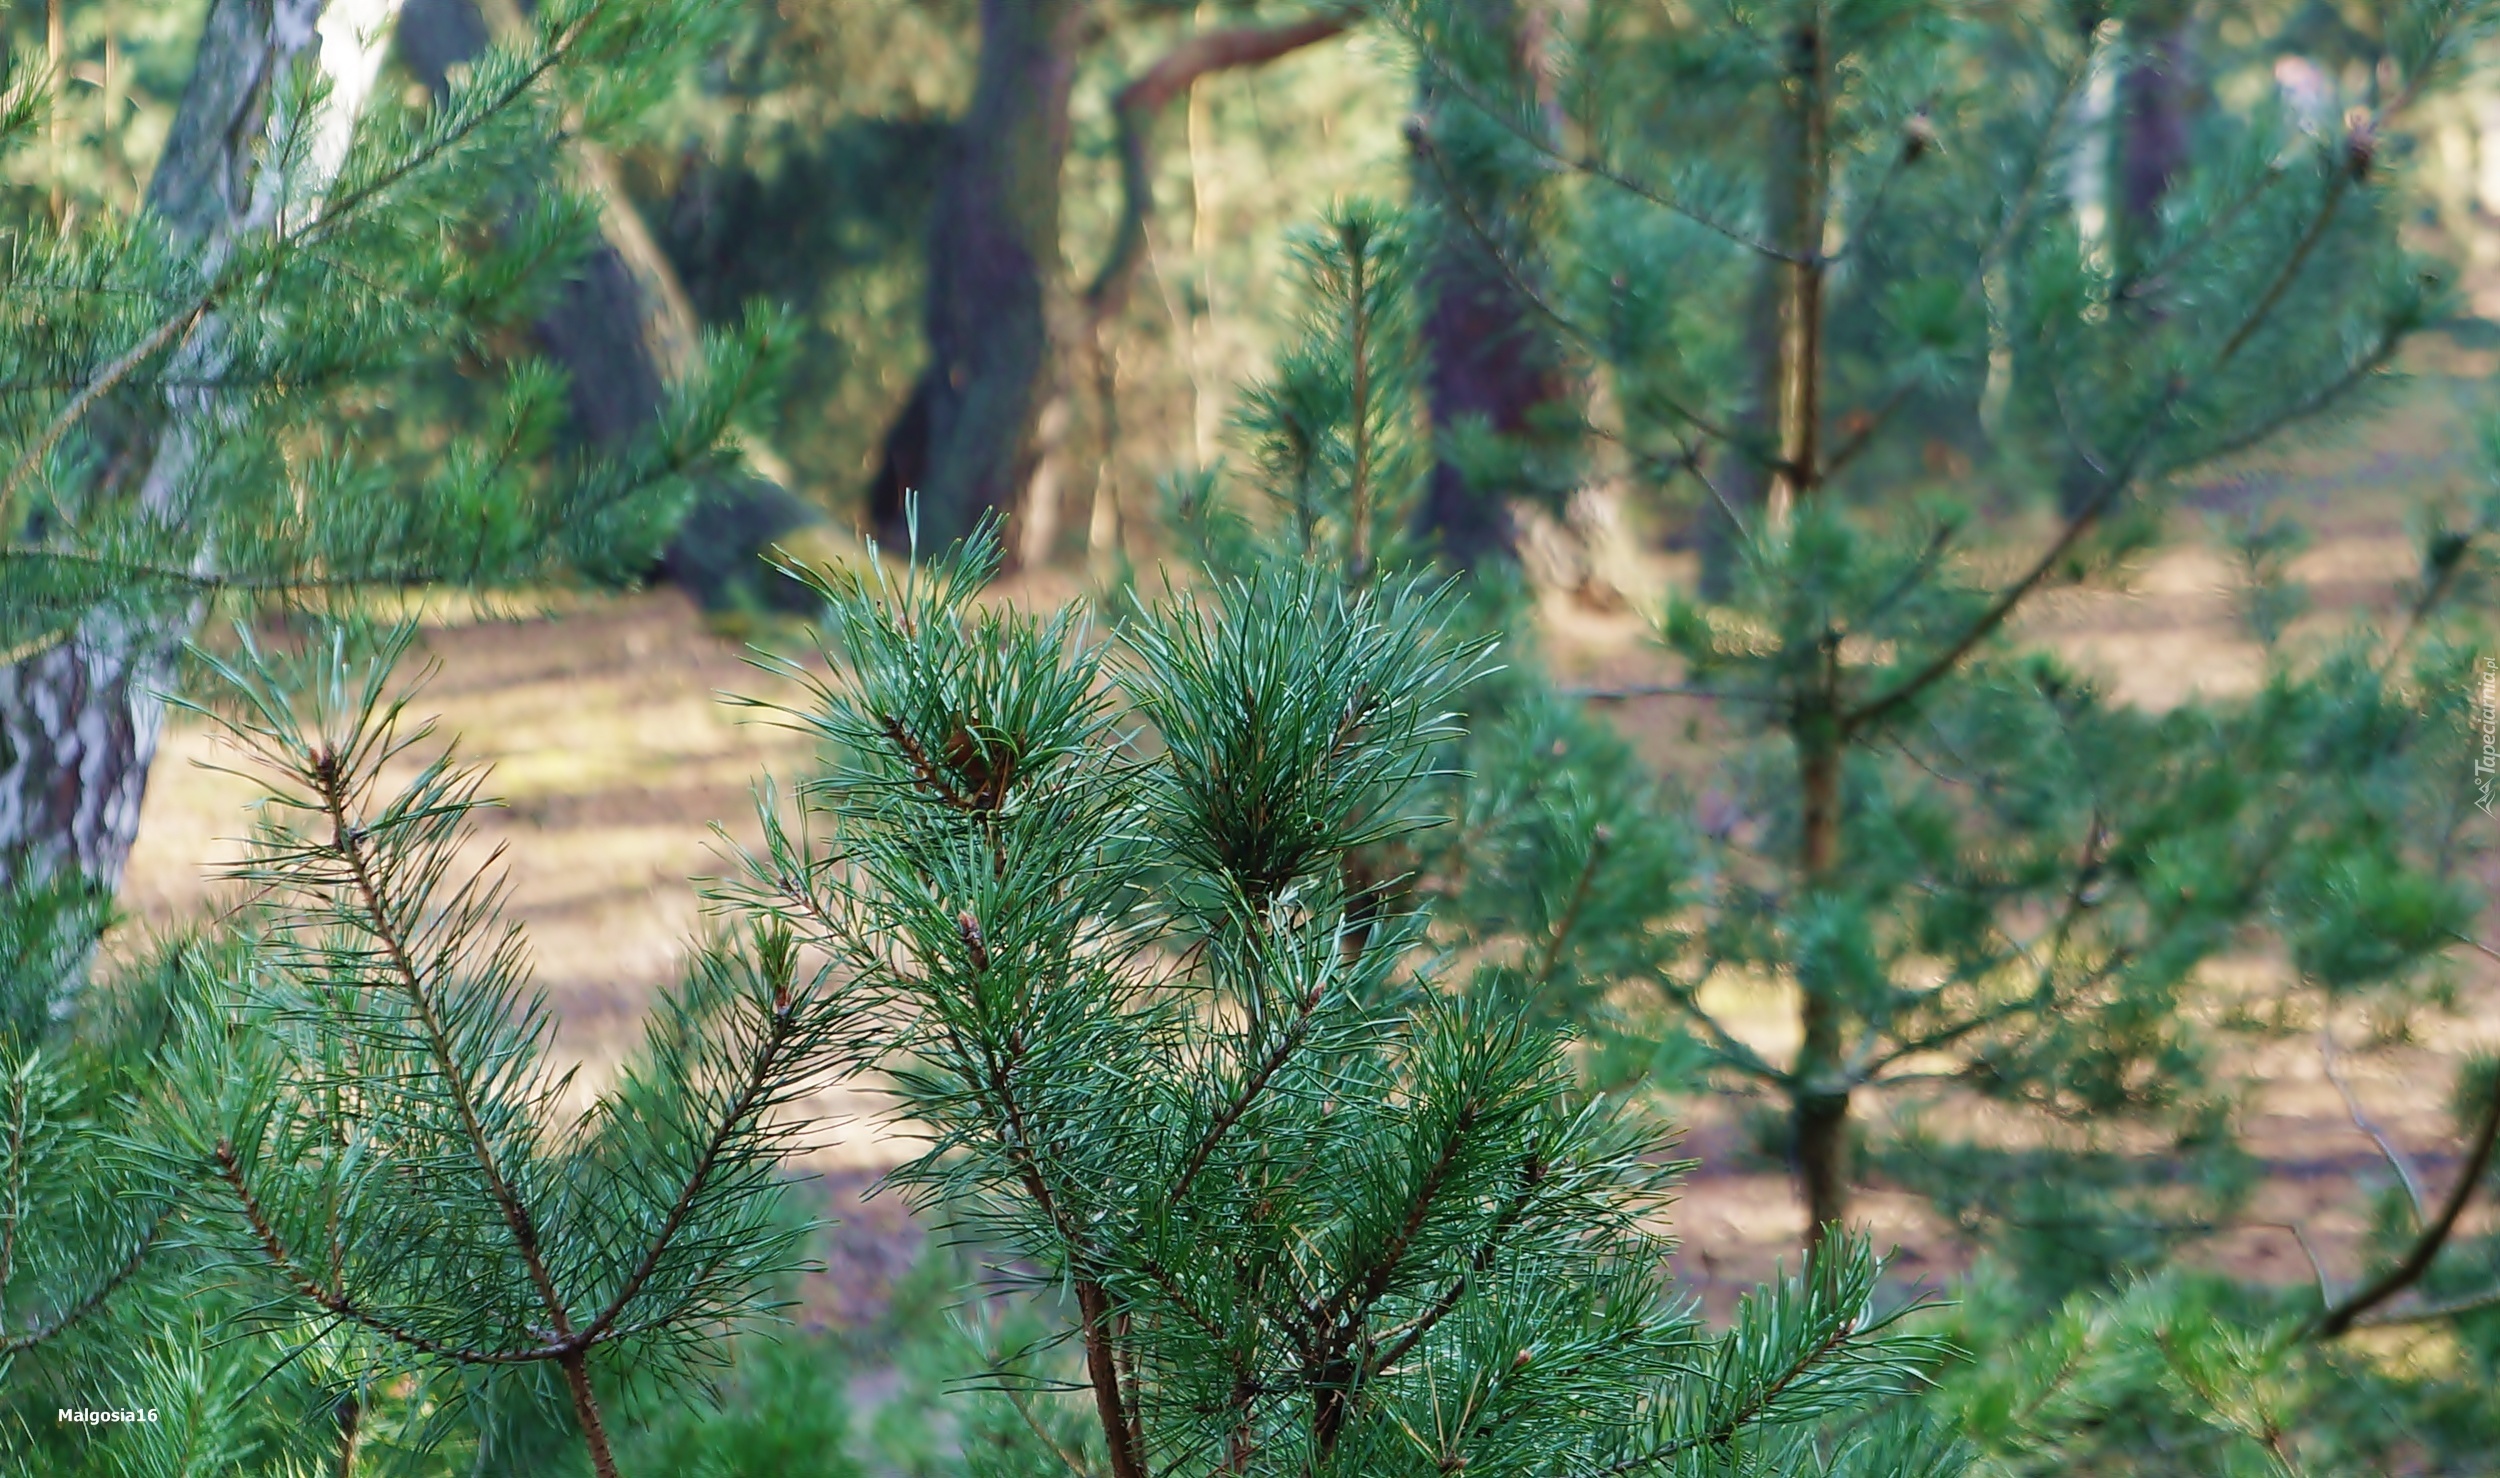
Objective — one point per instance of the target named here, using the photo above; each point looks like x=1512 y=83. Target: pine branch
x=273 y=1247
x=347 y=842
x=166 y=334
x=90 y=1301
x=2335 y=1322
x=1290 y=1041
x=735 y=1119
x=1588 y=164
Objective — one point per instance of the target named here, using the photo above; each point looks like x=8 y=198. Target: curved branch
x=2339 y=1320
x=94 y=1298
x=1148 y=95
x=339 y=1306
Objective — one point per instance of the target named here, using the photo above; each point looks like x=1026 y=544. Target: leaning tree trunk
x=623 y=327
x=79 y=721
x=964 y=441
x=1490 y=356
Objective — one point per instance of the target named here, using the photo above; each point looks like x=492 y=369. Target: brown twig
x=2333 y=1323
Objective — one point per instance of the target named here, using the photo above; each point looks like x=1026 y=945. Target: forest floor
x=626 y=770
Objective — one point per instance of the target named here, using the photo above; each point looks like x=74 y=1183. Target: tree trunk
x=964 y=442
x=1770 y=461
x=2157 y=101
x=1819 y=1095
x=623 y=328
x=79 y=722
x=1489 y=355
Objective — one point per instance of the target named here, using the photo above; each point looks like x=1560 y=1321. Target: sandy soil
x=617 y=752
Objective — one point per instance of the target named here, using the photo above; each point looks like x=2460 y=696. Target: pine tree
x=1978 y=870
x=179 y=381
x=1314 y=1211
x=361 y=1121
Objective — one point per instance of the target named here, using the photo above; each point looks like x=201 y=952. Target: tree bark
x=1770 y=462
x=79 y=722
x=1818 y=1095
x=964 y=441
x=1489 y=355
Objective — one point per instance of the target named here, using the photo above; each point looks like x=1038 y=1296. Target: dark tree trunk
x=1819 y=1091
x=1490 y=356
x=79 y=722
x=609 y=329
x=965 y=441
x=2156 y=106
x=2158 y=96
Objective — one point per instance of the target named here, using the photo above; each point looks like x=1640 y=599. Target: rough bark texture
x=965 y=439
x=1489 y=355
x=79 y=723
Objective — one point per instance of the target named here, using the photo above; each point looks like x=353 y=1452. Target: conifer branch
x=1590 y=164
x=1288 y=1042
x=347 y=840
x=734 y=1119
x=2335 y=1322
x=1571 y=911
x=273 y=1247
x=90 y=1301
x=2289 y=272
x=163 y=336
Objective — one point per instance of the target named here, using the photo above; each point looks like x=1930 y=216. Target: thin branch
x=1619 y=692
x=2396 y=1158
x=2290 y=270
x=1287 y=1044
x=2333 y=1323
x=163 y=336
x=751 y=1092
x=1571 y=912
x=1067 y=1459
x=1590 y=164
x=2427 y=1313
x=1745 y=1413
x=94 y=1297
x=1532 y=1174
x=273 y=1247
x=347 y=840
x=1744 y=1058
x=1153 y=90
x=35 y=646
x=1994 y=616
